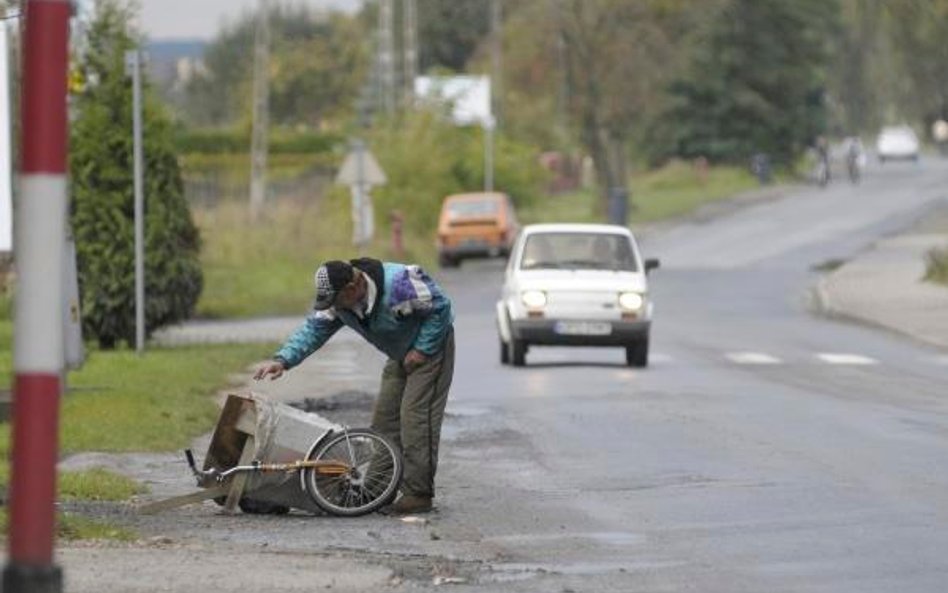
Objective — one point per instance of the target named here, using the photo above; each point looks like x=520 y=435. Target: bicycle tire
x=378 y=469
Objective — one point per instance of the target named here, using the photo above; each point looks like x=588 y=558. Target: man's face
x=352 y=294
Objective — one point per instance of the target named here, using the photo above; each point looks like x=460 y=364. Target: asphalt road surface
x=765 y=449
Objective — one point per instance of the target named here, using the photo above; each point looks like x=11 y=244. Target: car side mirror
x=651 y=264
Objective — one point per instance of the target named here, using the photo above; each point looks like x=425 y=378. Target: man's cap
x=331 y=277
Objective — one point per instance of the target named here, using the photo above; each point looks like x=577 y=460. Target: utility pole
x=133 y=65
x=496 y=60
x=386 y=58
x=410 y=49
x=38 y=352
x=261 y=110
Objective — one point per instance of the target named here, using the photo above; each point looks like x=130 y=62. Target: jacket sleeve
x=418 y=295
x=308 y=338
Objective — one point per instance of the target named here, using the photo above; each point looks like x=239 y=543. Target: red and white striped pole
x=40 y=229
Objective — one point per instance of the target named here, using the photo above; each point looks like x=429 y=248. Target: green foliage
x=102 y=196
x=230 y=141
x=449 y=31
x=936 y=269
x=317 y=65
x=919 y=31
x=425 y=159
x=756 y=84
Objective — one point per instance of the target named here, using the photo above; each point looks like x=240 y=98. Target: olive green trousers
x=409 y=412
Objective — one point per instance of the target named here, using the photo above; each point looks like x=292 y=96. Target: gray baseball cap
x=331 y=277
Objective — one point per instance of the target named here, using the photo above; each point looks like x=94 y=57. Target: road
x=765 y=449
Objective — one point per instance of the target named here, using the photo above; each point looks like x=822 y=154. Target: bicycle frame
x=324 y=468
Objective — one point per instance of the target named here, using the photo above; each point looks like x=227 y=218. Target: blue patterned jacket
x=410 y=312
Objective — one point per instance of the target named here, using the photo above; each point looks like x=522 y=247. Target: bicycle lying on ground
x=346 y=472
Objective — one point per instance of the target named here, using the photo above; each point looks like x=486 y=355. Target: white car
x=897 y=142
x=575 y=285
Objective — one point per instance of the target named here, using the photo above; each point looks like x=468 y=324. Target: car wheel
x=636 y=355
x=518 y=352
x=446 y=261
x=504 y=352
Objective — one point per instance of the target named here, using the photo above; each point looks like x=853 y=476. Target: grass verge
x=936 y=268
x=71 y=527
x=120 y=401
x=673 y=190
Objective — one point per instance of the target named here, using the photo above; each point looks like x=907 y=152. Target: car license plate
x=582 y=328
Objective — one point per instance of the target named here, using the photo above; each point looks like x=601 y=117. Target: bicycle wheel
x=372 y=481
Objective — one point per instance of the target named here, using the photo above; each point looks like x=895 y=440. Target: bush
x=102 y=216
x=426 y=159
x=227 y=141
x=937 y=266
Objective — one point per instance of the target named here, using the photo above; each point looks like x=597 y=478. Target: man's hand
x=275 y=369
x=413 y=360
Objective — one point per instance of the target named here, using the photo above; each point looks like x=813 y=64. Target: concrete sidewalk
x=884 y=287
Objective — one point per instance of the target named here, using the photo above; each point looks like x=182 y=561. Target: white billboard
x=467 y=97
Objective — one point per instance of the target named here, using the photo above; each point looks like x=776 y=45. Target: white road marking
x=850 y=359
x=752 y=358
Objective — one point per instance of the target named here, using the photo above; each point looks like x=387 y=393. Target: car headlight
x=631 y=301
x=534 y=299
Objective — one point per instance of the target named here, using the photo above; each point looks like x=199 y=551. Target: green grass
x=677 y=189
x=937 y=266
x=673 y=190
x=92 y=484
x=119 y=401
x=265 y=267
x=97 y=484
x=70 y=527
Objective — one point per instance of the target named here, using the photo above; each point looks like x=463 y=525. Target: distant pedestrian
x=940 y=135
x=400 y=310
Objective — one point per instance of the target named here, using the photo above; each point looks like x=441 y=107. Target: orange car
x=475 y=225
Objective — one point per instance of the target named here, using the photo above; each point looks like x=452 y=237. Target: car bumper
x=477 y=250
x=549 y=332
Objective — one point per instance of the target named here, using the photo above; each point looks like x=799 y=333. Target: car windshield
x=473 y=209
x=578 y=251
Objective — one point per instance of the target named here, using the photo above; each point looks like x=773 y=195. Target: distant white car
x=575 y=285
x=897 y=142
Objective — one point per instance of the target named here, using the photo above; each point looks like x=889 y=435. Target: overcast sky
x=201 y=19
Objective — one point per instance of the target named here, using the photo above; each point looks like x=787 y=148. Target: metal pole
x=359 y=221
x=489 y=156
x=410 y=16
x=261 y=100
x=496 y=54
x=134 y=60
x=386 y=56
x=38 y=325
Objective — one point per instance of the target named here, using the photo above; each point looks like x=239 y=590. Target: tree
x=102 y=206
x=919 y=34
x=757 y=84
x=317 y=64
x=857 y=84
x=618 y=56
x=449 y=32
